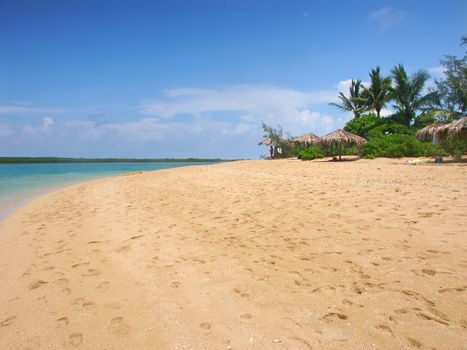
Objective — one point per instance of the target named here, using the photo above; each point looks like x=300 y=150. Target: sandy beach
x=284 y=254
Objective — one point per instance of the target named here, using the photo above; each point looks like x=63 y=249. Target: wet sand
x=243 y=255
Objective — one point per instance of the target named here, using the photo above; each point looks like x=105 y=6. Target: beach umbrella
x=341 y=138
x=265 y=142
x=306 y=140
x=431 y=132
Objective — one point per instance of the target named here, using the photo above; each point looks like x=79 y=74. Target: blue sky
x=195 y=78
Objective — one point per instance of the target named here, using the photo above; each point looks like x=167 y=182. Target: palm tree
x=376 y=96
x=407 y=92
x=354 y=103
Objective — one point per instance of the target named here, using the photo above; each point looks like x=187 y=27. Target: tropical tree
x=408 y=93
x=355 y=102
x=452 y=88
x=277 y=139
x=378 y=93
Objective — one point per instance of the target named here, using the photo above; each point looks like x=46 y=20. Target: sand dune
x=244 y=255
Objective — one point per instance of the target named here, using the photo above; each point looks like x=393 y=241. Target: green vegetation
x=364 y=124
x=399 y=145
x=452 y=90
x=407 y=93
x=394 y=135
x=282 y=148
x=355 y=103
x=312 y=152
x=454 y=146
x=101 y=160
x=378 y=93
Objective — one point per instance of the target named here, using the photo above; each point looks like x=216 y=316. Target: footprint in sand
x=118 y=327
x=175 y=284
x=94 y=242
x=76 y=339
x=385 y=329
x=62 y=321
x=37 y=284
x=246 y=316
x=414 y=343
x=8 y=321
x=91 y=272
x=80 y=264
x=206 y=326
x=334 y=315
x=103 y=285
x=136 y=237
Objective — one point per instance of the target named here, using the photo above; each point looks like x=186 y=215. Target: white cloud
x=387 y=17
x=344 y=86
x=45 y=126
x=27 y=109
x=440 y=70
x=247 y=106
x=250 y=99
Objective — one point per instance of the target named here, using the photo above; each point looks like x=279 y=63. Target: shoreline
x=247 y=254
x=11 y=206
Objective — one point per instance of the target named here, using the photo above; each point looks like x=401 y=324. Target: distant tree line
x=104 y=160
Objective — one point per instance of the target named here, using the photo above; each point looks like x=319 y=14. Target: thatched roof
x=430 y=131
x=457 y=127
x=307 y=139
x=341 y=137
x=265 y=142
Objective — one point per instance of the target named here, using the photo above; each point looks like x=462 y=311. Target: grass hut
x=306 y=140
x=432 y=132
x=458 y=128
x=341 y=139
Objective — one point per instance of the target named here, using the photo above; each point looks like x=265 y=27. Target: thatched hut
x=458 y=127
x=306 y=140
x=432 y=132
x=339 y=139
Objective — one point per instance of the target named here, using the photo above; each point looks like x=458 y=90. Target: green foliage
x=361 y=126
x=407 y=93
x=355 y=103
x=454 y=145
x=452 y=89
x=311 y=152
x=279 y=141
x=376 y=96
x=399 y=145
x=389 y=128
x=423 y=120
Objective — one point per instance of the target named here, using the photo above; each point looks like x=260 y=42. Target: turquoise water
x=22 y=182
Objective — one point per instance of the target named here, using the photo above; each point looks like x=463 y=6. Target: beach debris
x=413 y=161
x=133 y=173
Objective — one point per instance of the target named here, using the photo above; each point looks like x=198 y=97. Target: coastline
x=248 y=254
x=21 y=199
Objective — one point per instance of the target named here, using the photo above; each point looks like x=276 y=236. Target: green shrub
x=389 y=128
x=399 y=145
x=454 y=145
x=362 y=125
x=311 y=152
